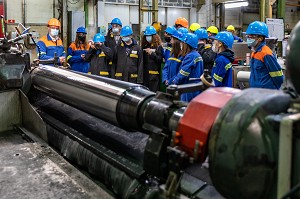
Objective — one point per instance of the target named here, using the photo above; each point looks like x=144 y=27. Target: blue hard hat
x=258 y=28
x=170 y=30
x=177 y=35
x=201 y=33
x=116 y=21
x=126 y=31
x=99 y=38
x=183 y=30
x=81 y=29
x=150 y=30
x=191 y=39
x=226 y=38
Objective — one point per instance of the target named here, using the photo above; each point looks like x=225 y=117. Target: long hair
x=185 y=49
x=78 y=44
x=156 y=41
x=175 y=48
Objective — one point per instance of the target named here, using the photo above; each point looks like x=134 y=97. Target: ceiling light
x=236 y=4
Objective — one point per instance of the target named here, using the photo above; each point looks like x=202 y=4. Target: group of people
x=188 y=51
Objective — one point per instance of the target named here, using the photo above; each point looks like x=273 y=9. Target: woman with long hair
x=191 y=67
x=77 y=51
x=152 y=56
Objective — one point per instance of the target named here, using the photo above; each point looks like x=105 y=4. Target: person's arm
x=107 y=51
x=42 y=55
x=140 y=79
x=184 y=70
x=220 y=71
x=71 y=57
x=274 y=69
x=90 y=54
x=165 y=72
x=157 y=55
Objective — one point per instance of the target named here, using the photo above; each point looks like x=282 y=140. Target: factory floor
x=33 y=170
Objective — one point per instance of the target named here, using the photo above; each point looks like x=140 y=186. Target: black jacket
x=208 y=56
x=152 y=67
x=99 y=60
x=111 y=43
x=128 y=63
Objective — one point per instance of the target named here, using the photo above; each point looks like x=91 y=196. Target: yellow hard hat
x=230 y=28
x=53 y=22
x=157 y=26
x=213 y=29
x=194 y=26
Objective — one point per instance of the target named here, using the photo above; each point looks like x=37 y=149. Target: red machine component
x=195 y=125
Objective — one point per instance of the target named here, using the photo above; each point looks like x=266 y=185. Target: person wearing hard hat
x=181 y=22
x=265 y=70
x=194 y=27
x=50 y=44
x=212 y=31
x=191 y=67
x=112 y=39
x=168 y=45
x=152 y=57
x=99 y=56
x=157 y=26
x=222 y=69
x=128 y=58
x=231 y=29
x=77 y=51
x=205 y=49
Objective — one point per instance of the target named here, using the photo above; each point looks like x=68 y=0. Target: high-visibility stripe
x=133 y=75
x=218 y=78
x=198 y=59
x=118 y=74
x=169 y=48
x=276 y=73
x=102 y=55
x=104 y=73
x=153 y=72
x=175 y=59
x=69 y=57
x=43 y=53
x=184 y=73
x=110 y=63
x=134 y=55
x=89 y=73
x=228 y=66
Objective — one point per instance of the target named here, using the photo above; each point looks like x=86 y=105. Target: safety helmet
x=157 y=26
x=212 y=29
x=81 y=30
x=150 y=30
x=53 y=22
x=201 y=33
x=230 y=28
x=116 y=21
x=226 y=38
x=183 y=30
x=194 y=27
x=258 y=28
x=191 y=39
x=126 y=31
x=99 y=38
x=170 y=30
x=182 y=21
x=178 y=35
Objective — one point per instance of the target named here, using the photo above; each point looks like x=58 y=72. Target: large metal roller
x=114 y=101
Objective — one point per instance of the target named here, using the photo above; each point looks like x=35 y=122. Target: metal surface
x=243 y=145
x=106 y=99
x=285 y=154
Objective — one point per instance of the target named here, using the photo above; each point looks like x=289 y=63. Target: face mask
x=115 y=30
x=215 y=48
x=250 y=42
x=54 y=32
x=81 y=37
x=149 y=38
x=126 y=39
x=168 y=39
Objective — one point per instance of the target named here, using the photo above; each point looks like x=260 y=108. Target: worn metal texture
x=243 y=147
x=30 y=170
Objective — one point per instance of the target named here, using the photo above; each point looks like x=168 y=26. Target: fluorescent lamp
x=236 y=4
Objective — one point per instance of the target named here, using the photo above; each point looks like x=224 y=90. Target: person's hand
x=62 y=59
x=166 y=82
x=82 y=56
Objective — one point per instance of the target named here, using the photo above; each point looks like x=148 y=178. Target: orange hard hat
x=182 y=21
x=53 y=22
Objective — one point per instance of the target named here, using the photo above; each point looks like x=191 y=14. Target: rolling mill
x=225 y=143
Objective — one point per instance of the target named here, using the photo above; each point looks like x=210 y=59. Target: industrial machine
x=225 y=143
